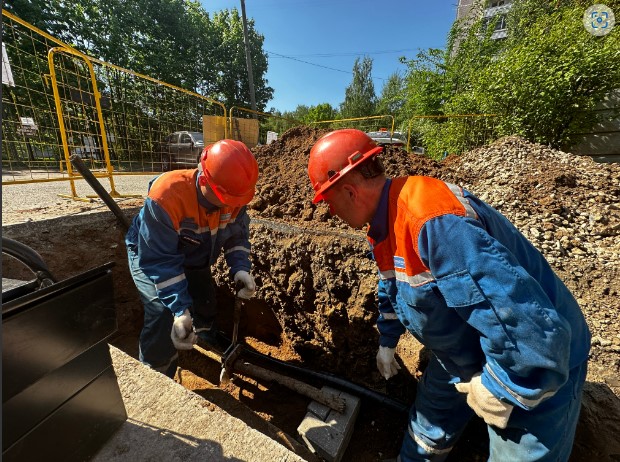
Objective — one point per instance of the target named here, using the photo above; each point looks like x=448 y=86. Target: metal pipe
x=81 y=167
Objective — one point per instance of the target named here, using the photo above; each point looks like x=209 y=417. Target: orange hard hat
x=336 y=154
x=230 y=170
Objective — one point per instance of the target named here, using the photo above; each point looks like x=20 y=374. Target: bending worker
x=188 y=218
x=509 y=341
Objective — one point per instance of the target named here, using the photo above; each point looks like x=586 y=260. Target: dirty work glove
x=484 y=403
x=183 y=335
x=249 y=287
x=386 y=363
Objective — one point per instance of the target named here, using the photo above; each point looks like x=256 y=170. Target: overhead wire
x=320 y=65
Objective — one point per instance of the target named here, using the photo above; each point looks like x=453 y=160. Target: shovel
x=232 y=352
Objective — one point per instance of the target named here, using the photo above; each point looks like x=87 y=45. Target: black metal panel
x=26 y=409
x=78 y=429
x=43 y=331
x=14 y=288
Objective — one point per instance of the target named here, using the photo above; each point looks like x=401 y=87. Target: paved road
x=43 y=200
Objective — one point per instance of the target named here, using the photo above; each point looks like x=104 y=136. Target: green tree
x=170 y=40
x=320 y=112
x=231 y=74
x=548 y=82
x=360 y=99
x=300 y=112
x=392 y=98
x=425 y=84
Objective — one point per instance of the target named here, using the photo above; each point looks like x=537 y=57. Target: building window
x=499 y=20
x=495 y=3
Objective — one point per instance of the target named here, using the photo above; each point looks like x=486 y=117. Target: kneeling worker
x=189 y=217
x=508 y=340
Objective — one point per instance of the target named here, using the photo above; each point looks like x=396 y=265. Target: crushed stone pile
x=568 y=206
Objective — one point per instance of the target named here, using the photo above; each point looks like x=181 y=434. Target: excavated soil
x=315 y=306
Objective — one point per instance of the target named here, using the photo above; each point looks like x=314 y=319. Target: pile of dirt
x=284 y=192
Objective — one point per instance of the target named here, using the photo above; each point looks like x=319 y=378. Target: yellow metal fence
x=59 y=102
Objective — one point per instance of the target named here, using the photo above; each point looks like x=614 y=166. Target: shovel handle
x=237 y=312
x=237 y=319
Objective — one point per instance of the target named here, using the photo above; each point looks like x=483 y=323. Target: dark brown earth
x=315 y=305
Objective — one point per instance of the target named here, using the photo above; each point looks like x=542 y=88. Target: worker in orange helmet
x=508 y=340
x=189 y=217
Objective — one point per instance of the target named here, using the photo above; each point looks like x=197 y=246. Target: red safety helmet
x=230 y=170
x=336 y=154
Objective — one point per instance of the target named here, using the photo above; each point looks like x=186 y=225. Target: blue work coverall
x=172 y=243
x=472 y=289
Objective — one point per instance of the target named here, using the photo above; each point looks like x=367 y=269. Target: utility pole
x=248 y=58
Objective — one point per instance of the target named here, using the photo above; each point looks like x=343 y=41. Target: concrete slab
x=327 y=432
x=168 y=422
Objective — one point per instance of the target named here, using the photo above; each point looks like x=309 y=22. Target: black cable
x=326 y=377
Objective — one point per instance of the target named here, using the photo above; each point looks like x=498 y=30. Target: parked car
x=180 y=150
x=384 y=138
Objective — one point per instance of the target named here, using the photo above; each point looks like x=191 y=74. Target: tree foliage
x=544 y=80
x=170 y=40
x=231 y=79
x=360 y=99
x=392 y=98
x=321 y=112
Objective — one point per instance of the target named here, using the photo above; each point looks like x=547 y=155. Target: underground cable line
x=324 y=397
x=332 y=380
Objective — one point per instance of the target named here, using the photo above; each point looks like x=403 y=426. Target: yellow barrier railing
x=365 y=124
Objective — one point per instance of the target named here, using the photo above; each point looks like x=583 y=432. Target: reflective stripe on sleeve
x=388 y=316
x=237 y=247
x=458 y=192
x=389 y=274
x=525 y=401
x=425 y=446
x=169 y=282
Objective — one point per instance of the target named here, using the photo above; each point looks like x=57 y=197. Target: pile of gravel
x=568 y=206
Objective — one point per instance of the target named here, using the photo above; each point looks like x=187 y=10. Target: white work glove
x=386 y=363
x=249 y=287
x=183 y=335
x=484 y=403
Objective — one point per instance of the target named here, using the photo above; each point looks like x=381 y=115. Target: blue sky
x=330 y=34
